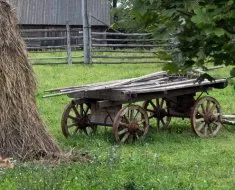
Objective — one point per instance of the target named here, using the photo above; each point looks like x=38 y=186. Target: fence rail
x=66 y=45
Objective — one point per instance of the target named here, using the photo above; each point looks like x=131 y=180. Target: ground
x=164 y=160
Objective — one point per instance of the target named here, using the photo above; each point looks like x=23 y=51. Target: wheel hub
x=209 y=118
x=133 y=127
x=83 y=122
x=160 y=113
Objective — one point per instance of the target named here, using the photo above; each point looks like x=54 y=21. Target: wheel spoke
x=123 y=131
x=201 y=126
x=203 y=108
x=71 y=125
x=141 y=122
x=75 y=111
x=213 y=107
x=158 y=123
x=87 y=110
x=162 y=103
x=152 y=104
x=151 y=116
x=131 y=115
x=123 y=124
x=163 y=122
x=152 y=111
x=157 y=103
x=137 y=136
x=82 y=109
x=205 y=130
x=137 y=112
x=125 y=137
x=208 y=105
x=200 y=120
x=126 y=119
x=71 y=117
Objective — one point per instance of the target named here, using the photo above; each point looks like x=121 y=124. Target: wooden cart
x=164 y=96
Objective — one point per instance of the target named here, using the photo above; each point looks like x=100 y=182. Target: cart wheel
x=75 y=119
x=158 y=111
x=206 y=117
x=131 y=123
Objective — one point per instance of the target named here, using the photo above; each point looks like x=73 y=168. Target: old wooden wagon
x=119 y=104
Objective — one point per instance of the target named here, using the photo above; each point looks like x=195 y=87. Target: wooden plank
x=102 y=85
x=179 y=86
x=153 y=84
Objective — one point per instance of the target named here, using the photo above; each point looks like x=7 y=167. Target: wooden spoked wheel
x=158 y=112
x=206 y=117
x=75 y=119
x=130 y=124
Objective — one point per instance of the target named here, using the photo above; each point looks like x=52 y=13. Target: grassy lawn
x=164 y=160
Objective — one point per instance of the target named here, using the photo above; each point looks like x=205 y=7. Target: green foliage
x=204 y=29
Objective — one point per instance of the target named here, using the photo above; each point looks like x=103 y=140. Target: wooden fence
x=65 y=46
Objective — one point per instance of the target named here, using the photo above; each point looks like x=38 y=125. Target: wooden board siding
x=58 y=12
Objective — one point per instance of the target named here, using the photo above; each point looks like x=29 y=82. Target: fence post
x=86 y=33
x=69 y=52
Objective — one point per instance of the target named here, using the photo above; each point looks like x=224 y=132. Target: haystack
x=22 y=133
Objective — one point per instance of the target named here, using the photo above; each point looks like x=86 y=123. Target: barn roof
x=58 y=12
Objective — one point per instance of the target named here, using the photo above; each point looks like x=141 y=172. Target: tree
x=203 y=28
x=124 y=18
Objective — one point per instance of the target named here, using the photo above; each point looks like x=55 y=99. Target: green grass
x=164 y=160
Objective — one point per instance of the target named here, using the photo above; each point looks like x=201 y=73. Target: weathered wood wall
x=59 y=12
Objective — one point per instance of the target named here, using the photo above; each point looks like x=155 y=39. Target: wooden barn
x=55 y=14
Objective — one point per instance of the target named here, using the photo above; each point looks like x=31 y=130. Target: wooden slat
x=121 y=34
x=123 y=57
x=129 y=45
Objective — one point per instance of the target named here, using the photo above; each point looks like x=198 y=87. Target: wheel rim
x=206 y=117
x=75 y=119
x=158 y=112
x=130 y=124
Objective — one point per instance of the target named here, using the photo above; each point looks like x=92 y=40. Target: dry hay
x=22 y=133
